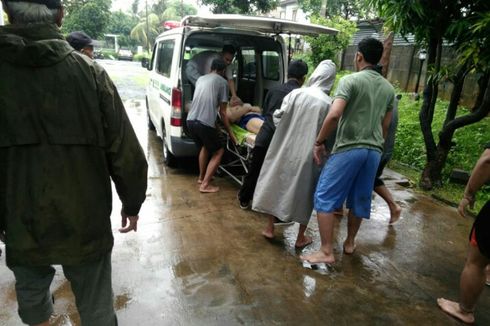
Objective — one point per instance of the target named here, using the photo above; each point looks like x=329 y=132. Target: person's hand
x=319 y=153
x=235 y=101
x=133 y=223
x=465 y=201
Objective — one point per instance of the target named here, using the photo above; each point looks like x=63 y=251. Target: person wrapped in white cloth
x=288 y=177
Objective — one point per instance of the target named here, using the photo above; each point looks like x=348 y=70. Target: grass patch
x=449 y=193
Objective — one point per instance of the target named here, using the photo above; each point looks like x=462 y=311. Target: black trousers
x=246 y=193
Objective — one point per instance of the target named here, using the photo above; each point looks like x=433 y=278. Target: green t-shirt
x=369 y=96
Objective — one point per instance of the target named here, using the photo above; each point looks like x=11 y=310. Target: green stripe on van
x=165 y=88
x=156 y=84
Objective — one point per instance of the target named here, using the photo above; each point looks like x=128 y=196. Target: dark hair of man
x=371 y=49
x=297 y=69
x=228 y=48
x=218 y=65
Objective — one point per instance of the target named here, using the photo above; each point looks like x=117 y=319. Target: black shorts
x=482 y=230
x=205 y=136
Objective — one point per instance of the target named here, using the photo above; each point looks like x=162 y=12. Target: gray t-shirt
x=200 y=65
x=211 y=91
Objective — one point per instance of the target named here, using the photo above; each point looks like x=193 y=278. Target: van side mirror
x=145 y=63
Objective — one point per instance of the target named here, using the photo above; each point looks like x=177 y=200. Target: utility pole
x=147 y=27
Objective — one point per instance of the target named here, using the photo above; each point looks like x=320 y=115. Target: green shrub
x=141 y=56
x=109 y=54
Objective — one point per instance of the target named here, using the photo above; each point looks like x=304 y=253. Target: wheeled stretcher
x=237 y=157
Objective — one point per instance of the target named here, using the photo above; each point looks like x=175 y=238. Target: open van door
x=264 y=25
x=258 y=24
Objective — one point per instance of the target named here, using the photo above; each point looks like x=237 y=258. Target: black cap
x=79 y=40
x=51 y=4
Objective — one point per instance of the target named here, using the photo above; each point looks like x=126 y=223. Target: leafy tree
x=90 y=16
x=241 y=6
x=146 y=33
x=328 y=46
x=465 y=24
x=159 y=7
x=359 y=9
x=176 y=10
x=74 y=5
x=121 y=24
x=135 y=6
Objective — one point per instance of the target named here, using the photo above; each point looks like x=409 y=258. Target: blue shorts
x=247 y=117
x=348 y=175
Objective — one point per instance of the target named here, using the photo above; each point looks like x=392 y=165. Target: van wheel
x=151 y=126
x=168 y=158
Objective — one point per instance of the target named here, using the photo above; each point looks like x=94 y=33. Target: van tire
x=151 y=126
x=168 y=158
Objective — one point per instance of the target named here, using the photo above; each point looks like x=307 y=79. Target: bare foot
x=303 y=242
x=208 y=189
x=395 y=215
x=349 y=248
x=268 y=234
x=452 y=308
x=199 y=180
x=318 y=258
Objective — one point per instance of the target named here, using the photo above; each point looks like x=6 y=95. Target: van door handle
x=165 y=99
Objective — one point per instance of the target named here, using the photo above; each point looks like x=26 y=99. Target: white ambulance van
x=260 y=63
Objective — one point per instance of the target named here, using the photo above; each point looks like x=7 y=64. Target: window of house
x=164 y=57
x=271 y=65
x=295 y=11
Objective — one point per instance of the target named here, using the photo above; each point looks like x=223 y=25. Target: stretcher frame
x=240 y=162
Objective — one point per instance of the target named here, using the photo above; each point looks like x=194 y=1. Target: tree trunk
x=447 y=132
x=427 y=112
x=385 y=58
x=458 y=83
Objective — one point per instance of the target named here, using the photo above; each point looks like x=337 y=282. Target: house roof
x=374 y=28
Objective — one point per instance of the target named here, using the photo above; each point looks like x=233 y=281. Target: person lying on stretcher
x=245 y=115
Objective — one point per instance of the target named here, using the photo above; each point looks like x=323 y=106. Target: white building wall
x=290 y=11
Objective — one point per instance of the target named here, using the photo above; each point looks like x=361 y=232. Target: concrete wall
x=404 y=68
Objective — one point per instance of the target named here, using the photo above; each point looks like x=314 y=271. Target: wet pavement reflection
x=198 y=259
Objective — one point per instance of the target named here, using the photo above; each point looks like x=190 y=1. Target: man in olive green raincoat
x=63 y=135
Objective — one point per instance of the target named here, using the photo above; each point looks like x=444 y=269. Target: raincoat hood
x=323 y=77
x=34 y=45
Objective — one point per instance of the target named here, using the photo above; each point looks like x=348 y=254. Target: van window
x=164 y=57
x=270 y=64
x=249 y=64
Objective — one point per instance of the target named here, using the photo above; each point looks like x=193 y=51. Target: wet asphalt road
x=200 y=260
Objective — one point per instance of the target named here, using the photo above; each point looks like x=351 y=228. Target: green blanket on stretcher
x=240 y=133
